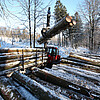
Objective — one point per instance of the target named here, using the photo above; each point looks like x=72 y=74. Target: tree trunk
x=29 y=24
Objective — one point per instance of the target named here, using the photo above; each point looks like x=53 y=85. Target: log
x=34 y=87
x=84 y=58
x=26 y=64
x=8 y=91
x=66 y=22
x=92 y=61
x=14 y=58
x=79 y=64
x=9 y=65
x=60 y=82
x=8 y=71
x=7 y=57
x=3 y=54
x=23 y=60
x=21 y=50
x=29 y=65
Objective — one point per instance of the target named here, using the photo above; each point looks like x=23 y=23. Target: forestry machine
x=47 y=33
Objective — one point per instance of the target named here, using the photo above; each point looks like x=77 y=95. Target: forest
x=32 y=15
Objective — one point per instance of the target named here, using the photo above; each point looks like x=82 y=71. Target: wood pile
x=21 y=58
x=7 y=91
x=34 y=87
x=63 y=24
x=45 y=75
x=85 y=62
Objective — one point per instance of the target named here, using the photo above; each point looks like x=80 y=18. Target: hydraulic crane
x=47 y=33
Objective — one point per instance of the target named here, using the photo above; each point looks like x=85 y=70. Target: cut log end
x=74 y=22
x=68 y=18
x=70 y=24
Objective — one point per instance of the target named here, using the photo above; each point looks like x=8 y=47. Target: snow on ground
x=63 y=51
x=73 y=78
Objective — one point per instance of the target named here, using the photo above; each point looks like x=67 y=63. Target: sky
x=71 y=6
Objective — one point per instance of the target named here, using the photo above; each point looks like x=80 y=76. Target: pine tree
x=60 y=12
x=79 y=25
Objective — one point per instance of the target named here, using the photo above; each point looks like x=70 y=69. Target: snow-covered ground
x=62 y=71
x=6 y=42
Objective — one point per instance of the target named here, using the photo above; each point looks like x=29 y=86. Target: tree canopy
x=59 y=11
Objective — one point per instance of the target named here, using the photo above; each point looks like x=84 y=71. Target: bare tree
x=30 y=11
x=89 y=12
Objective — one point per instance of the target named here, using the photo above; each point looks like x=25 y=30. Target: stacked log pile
x=82 y=61
x=47 y=76
x=41 y=92
x=8 y=91
x=63 y=24
x=21 y=58
x=60 y=82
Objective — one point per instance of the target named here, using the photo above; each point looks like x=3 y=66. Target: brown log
x=7 y=57
x=9 y=65
x=79 y=64
x=73 y=22
x=21 y=50
x=60 y=82
x=59 y=26
x=28 y=63
x=20 y=57
x=34 y=87
x=8 y=91
x=93 y=61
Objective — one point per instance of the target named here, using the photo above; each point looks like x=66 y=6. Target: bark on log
x=27 y=64
x=8 y=71
x=60 y=82
x=8 y=91
x=22 y=60
x=7 y=57
x=66 y=22
x=9 y=65
x=11 y=70
x=80 y=64
x=93 y=61
x=35 y=88
x=21 y=50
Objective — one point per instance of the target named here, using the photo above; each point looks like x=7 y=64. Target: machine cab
x=53 y=55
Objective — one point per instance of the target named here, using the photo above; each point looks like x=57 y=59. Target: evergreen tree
x=79 y=24
x=59 y=12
